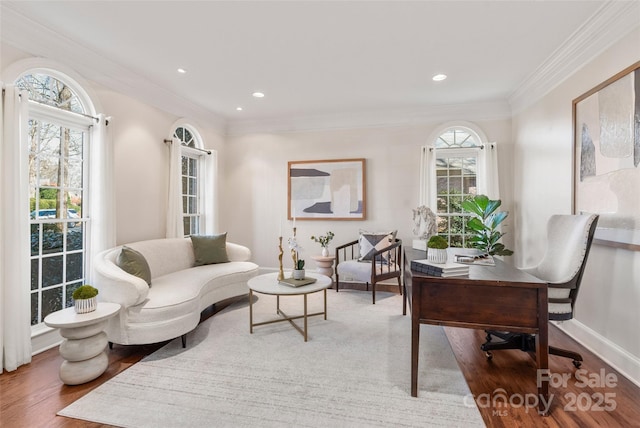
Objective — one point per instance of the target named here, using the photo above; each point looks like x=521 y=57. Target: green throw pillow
x=134 y=263
x=210 y=249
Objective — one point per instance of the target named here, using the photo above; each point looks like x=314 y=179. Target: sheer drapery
x=428 y=178
x=15 y=309
x=175 y=223
x=488 y=183
x=102 y=207
x=210 y=193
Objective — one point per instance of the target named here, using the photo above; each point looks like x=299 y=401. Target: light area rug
x=354 y=371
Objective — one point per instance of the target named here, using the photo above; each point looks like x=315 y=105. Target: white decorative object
x=424 y=221
x=325 y=252
x=84 y=347
x=437 y=255
x=83 y=306
x=298 y=274
x=420 y=244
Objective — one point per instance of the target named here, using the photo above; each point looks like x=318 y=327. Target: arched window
x=454 y=168
x=58 y=138
x=192 y=179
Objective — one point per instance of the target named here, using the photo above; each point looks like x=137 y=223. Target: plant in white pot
x=84 y=299
x=324 y=240
x=437 y=249
x=298 y=272
x=484 y=226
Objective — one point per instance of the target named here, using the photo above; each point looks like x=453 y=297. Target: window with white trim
x=58 y=167
x=192 y=178
x=456 y=157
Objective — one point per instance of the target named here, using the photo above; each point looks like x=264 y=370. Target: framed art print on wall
x=327 y=189
x=606 y=171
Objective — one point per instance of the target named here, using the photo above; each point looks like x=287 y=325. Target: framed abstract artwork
x=606 y=170
x=327 y=189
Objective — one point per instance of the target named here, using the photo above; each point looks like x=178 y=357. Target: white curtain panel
x=488 y=183
x=210 y=193
x=102 y=214
x=175 y=228
x=15 y=309
x=428 y=178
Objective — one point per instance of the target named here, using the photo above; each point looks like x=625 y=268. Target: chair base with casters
x=524 y=342
x=384 y=264
x=569 y=239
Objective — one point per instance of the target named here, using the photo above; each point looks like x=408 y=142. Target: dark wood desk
x=498 y=297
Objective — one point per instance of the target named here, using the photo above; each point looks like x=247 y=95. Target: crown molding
x=38 y=40
x=493 y=110
x=613 y=21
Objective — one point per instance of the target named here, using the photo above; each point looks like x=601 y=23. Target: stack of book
x=439 y=269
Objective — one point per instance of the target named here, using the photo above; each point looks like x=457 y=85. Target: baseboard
x=627 y=364
x=45 y=339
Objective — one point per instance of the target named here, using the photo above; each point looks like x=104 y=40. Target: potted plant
x=324 y=240
x=84 y=299
x=437 y=249
x=298 y=271
x=484 y=225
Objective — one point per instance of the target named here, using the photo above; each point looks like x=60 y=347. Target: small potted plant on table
x=437 y=249
x=84 y=299
x=324 y=240
x=298 y=272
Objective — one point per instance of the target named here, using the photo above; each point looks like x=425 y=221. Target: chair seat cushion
x=356 y=271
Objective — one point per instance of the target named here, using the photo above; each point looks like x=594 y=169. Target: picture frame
x=606 y=160
x=333 y=189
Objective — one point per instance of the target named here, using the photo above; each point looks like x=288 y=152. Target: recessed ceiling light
x=439 y=77
x=182 y=71
x=239 y=108
x=258 y=94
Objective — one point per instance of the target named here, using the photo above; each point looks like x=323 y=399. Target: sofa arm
x=238 y=253
x=114 y=284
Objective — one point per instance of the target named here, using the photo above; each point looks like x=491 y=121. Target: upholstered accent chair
x=372 y=258
x=569 y=239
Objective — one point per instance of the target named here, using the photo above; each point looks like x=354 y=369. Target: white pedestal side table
x=84 y=347
x=325 y=264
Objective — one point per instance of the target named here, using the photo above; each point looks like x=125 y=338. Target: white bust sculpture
x=424 y=221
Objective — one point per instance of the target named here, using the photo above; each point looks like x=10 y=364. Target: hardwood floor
x=32 y=395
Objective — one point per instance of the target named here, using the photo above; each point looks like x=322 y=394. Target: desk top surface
x=500 y=274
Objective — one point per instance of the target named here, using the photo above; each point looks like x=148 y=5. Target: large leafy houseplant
x=484 y=225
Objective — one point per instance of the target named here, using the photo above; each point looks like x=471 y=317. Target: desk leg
x=415 y=348
x=542 y=354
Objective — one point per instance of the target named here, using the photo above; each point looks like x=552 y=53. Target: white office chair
x=569 y=240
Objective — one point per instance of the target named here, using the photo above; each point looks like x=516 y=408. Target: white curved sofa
x=179 y=292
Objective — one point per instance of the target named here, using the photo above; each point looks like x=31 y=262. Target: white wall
x=255 y=182
x=141 y=163
x=607 y=315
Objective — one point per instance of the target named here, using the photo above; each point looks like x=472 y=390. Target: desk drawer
x=478 y=305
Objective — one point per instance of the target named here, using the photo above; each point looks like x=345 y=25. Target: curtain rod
x=481 y=147
x=194 y=148
x=74 y=112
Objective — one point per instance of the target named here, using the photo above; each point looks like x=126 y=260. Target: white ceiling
x=310 y=58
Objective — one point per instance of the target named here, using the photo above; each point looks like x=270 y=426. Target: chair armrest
x=390 y=269
x=345 y=249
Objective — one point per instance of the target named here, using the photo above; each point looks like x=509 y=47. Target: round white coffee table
x=84 y=347
x=268 y=284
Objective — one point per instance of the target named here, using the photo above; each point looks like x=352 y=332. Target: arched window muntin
x=457 y=150
x=59 y=133
x=191 y=178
